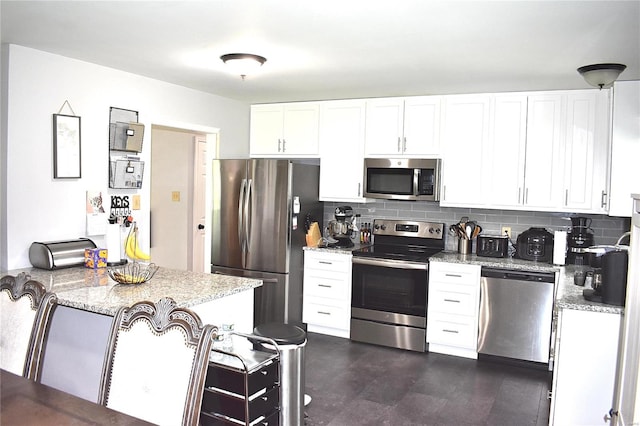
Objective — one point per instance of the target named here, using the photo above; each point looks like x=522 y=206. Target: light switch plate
x=175 y=196
x=135 y=201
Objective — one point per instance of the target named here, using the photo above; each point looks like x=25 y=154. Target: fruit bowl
x=133 y=273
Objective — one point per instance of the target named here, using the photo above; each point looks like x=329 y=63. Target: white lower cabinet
x=326 y=306
x=585 y=367
x=452 y=309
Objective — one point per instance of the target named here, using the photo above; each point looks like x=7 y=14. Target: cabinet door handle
x=566 y=197
x=404 y=144
x=450 y=331
x=526 y=196
x=452 y=300
x=359 y=194
x=399 y=147
x=279 y=142
x=603 y=199
x=284 y=145
x=444 y=192
x=520 y=193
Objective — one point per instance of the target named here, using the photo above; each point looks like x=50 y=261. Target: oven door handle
x=387 y=263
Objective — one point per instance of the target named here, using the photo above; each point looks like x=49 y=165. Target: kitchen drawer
x=454 y=273
x=234 y=406
x=335 y=262
x=322 y=312
x=232 y=380
x=450 y=301
x=452 y=330
x=333 y=286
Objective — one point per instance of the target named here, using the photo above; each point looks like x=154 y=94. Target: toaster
x=492 y=246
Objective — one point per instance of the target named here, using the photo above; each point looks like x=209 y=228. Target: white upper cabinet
x=508 y=136
x=284 y=130
x=538 y=151
x=403 y=127
x=625 y=147
x=586 y=151
x=342 y=150
x=465 y=141
x=544 y=152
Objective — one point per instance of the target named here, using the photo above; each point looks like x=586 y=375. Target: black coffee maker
x=579 y=239
x=611 y=285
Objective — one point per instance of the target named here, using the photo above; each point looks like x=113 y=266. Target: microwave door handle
x=416 y=180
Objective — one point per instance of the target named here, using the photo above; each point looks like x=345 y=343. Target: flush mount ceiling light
x=243 y=63
x=601 y=75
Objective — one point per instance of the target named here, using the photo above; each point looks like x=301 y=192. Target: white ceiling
x=334 y=49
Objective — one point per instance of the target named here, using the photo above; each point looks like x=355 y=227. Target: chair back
x=25 y=313
x=156 y=363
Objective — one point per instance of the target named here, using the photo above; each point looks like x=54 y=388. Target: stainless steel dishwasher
x=516 y=312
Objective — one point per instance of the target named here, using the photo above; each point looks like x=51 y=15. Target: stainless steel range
x=390 y=283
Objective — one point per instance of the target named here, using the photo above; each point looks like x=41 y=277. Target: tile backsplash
x=606 y=229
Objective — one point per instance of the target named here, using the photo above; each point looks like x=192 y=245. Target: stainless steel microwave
x=402 y=179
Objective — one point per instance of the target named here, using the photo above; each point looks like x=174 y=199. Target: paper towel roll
x=559 y=247
x=114 y=244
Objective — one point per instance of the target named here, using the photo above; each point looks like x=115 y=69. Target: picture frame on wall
x=67 y=162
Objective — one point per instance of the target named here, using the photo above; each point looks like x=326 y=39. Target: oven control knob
x=431 y=230
x=383 y=227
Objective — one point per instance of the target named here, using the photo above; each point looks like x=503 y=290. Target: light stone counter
x=92 y=290
x=568 y=295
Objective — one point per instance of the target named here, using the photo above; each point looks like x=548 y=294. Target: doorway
x=180 y=183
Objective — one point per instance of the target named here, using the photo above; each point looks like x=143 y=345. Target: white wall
x=40 y=208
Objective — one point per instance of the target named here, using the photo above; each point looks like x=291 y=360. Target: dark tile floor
x=359 y=384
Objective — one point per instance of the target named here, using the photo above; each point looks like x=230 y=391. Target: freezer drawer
x=516 y=311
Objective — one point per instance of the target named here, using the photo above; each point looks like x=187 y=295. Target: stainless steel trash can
x=291 y=341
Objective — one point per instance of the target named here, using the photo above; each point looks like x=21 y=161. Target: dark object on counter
x=579 y=238
x=59 y=254
x=610 y=281
x=535 y=244
x=579 y=278
x=493 y=246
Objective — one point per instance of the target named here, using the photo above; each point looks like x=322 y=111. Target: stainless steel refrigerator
x=259 y=212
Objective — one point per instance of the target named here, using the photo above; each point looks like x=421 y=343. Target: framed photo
x=66 y=147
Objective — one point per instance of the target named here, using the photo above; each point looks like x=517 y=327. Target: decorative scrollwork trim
x=23 y=285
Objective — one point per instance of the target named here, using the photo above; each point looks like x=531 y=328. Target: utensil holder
x=464 y=246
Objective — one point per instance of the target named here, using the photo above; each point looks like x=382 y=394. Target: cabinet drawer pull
x=324 y=313
x=450 y=331
x=324 y=262
x=603 y=199
x=324 y=285
x=453 y=275
x=452 y=300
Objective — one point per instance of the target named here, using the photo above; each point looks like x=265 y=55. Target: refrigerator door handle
x=241 y=198
x=247 y=214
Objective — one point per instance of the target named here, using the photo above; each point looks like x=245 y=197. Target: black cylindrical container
x=614 y=277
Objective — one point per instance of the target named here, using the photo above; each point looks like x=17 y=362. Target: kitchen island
x=88 y=299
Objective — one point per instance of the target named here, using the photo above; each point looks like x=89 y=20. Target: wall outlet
x=506 y=230
x=135 y=201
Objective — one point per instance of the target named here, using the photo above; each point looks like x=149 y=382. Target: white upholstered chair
x=25 y=311
x=156 y=363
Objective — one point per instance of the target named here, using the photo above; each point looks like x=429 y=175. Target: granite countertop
x=93 y=290
x=337 y=250
x=568 y=295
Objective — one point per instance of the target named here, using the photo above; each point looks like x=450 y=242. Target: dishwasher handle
x=510 y=274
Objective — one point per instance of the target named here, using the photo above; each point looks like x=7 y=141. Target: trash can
x=291 y=341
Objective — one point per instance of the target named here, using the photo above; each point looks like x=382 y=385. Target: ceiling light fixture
x=243 y=63
x=601 y=75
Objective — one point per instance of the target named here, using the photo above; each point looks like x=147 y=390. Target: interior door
x=199 y=212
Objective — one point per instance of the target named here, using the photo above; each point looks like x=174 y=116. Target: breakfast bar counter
x=93 y=290
x=88 y=299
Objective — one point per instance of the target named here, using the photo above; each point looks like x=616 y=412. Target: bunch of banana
x=128 y=279
x=131 y=246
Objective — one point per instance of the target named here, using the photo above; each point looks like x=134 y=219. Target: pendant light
x=243 y=63
x=601 y=75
